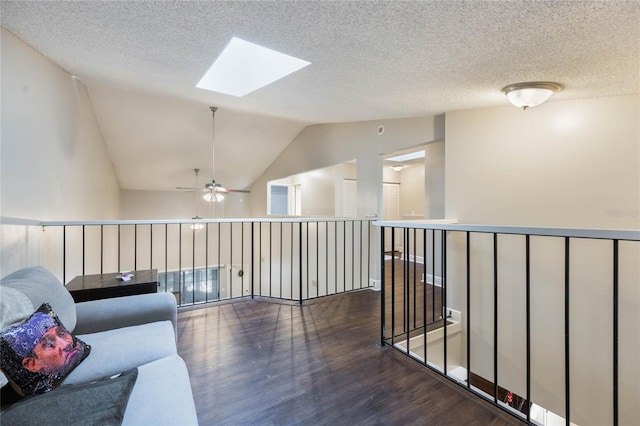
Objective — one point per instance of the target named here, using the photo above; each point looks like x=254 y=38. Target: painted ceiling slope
x=156 y=141
x=370 y=60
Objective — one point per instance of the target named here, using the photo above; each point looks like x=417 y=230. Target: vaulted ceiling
x=371 y=60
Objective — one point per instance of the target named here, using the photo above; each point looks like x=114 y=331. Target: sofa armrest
x=118 y=312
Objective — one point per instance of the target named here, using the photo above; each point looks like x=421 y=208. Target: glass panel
x=204 y=288
x=279 y=199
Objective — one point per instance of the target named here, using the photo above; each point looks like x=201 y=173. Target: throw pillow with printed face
x=37 y=354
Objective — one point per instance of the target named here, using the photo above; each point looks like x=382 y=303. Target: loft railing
x=541 y=322
x=213 y=260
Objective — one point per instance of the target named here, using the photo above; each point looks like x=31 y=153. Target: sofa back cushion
x=40 y=286
x=14 y=308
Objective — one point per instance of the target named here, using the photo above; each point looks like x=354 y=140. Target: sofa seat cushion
x=122 y=349
x=162 y=395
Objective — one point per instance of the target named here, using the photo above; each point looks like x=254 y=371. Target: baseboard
x=437 y=283
x=375 y=284
x=420 y=259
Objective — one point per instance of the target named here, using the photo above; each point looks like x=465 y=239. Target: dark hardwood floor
x=410 y=296
x=265 y=363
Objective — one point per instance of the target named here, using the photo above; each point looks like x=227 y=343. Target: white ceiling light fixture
x=244 y=67
x=398 y=167
x=213 y=197
x=214 y=192
x=526 y=95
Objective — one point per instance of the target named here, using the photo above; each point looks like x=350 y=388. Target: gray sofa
x=124 y=333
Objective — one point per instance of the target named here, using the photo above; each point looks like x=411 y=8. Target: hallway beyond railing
x=212 y=260
x=541 y=322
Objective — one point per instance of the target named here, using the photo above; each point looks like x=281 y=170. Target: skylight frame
x=406 y=157
x=244 y=67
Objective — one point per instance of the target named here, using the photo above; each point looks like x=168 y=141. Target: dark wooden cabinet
x=105 y=286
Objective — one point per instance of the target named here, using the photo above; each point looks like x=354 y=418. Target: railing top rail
x=5 y=220
x=607 y=234
x=191 y=221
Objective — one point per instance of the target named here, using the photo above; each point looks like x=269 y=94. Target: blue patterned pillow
x=37 y=354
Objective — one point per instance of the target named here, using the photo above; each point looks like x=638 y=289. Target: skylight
x=243 y=67
x=407 y=157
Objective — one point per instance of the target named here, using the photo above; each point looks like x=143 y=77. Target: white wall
x=318 y=191
x=180 y=205
x=434 y=165
x=562 y=164
x=325 y=145
x=421 y=184
x=54 y=162
x=412 y=191
x=344 y=172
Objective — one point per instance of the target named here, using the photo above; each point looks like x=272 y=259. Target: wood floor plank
x=263 y=363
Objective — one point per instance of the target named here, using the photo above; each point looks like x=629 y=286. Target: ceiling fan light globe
x=213 y=196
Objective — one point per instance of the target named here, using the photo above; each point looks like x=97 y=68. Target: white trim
x=190 y=269
x=438 y=282
x=17 y=221
x=190 y=221
x=450 y=225
x=375 y=284
x=420 y=259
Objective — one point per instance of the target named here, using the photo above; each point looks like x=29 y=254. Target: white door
x=297 y=203
x=349 y=198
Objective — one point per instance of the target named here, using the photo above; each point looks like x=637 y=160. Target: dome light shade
x=525 y=95
x=213 y=196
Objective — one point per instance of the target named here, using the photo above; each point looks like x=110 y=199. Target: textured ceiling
x=370 y=60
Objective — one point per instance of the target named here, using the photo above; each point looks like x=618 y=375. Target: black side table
x=105 y=286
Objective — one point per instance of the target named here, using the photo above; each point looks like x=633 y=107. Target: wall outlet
x=454 y=315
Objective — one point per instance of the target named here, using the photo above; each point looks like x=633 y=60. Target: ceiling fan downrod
x=213 y=147
x=213 y=195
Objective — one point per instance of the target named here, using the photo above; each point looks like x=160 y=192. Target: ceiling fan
x=214 y=192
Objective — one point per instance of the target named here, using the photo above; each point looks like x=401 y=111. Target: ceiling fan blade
x=217 y=189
